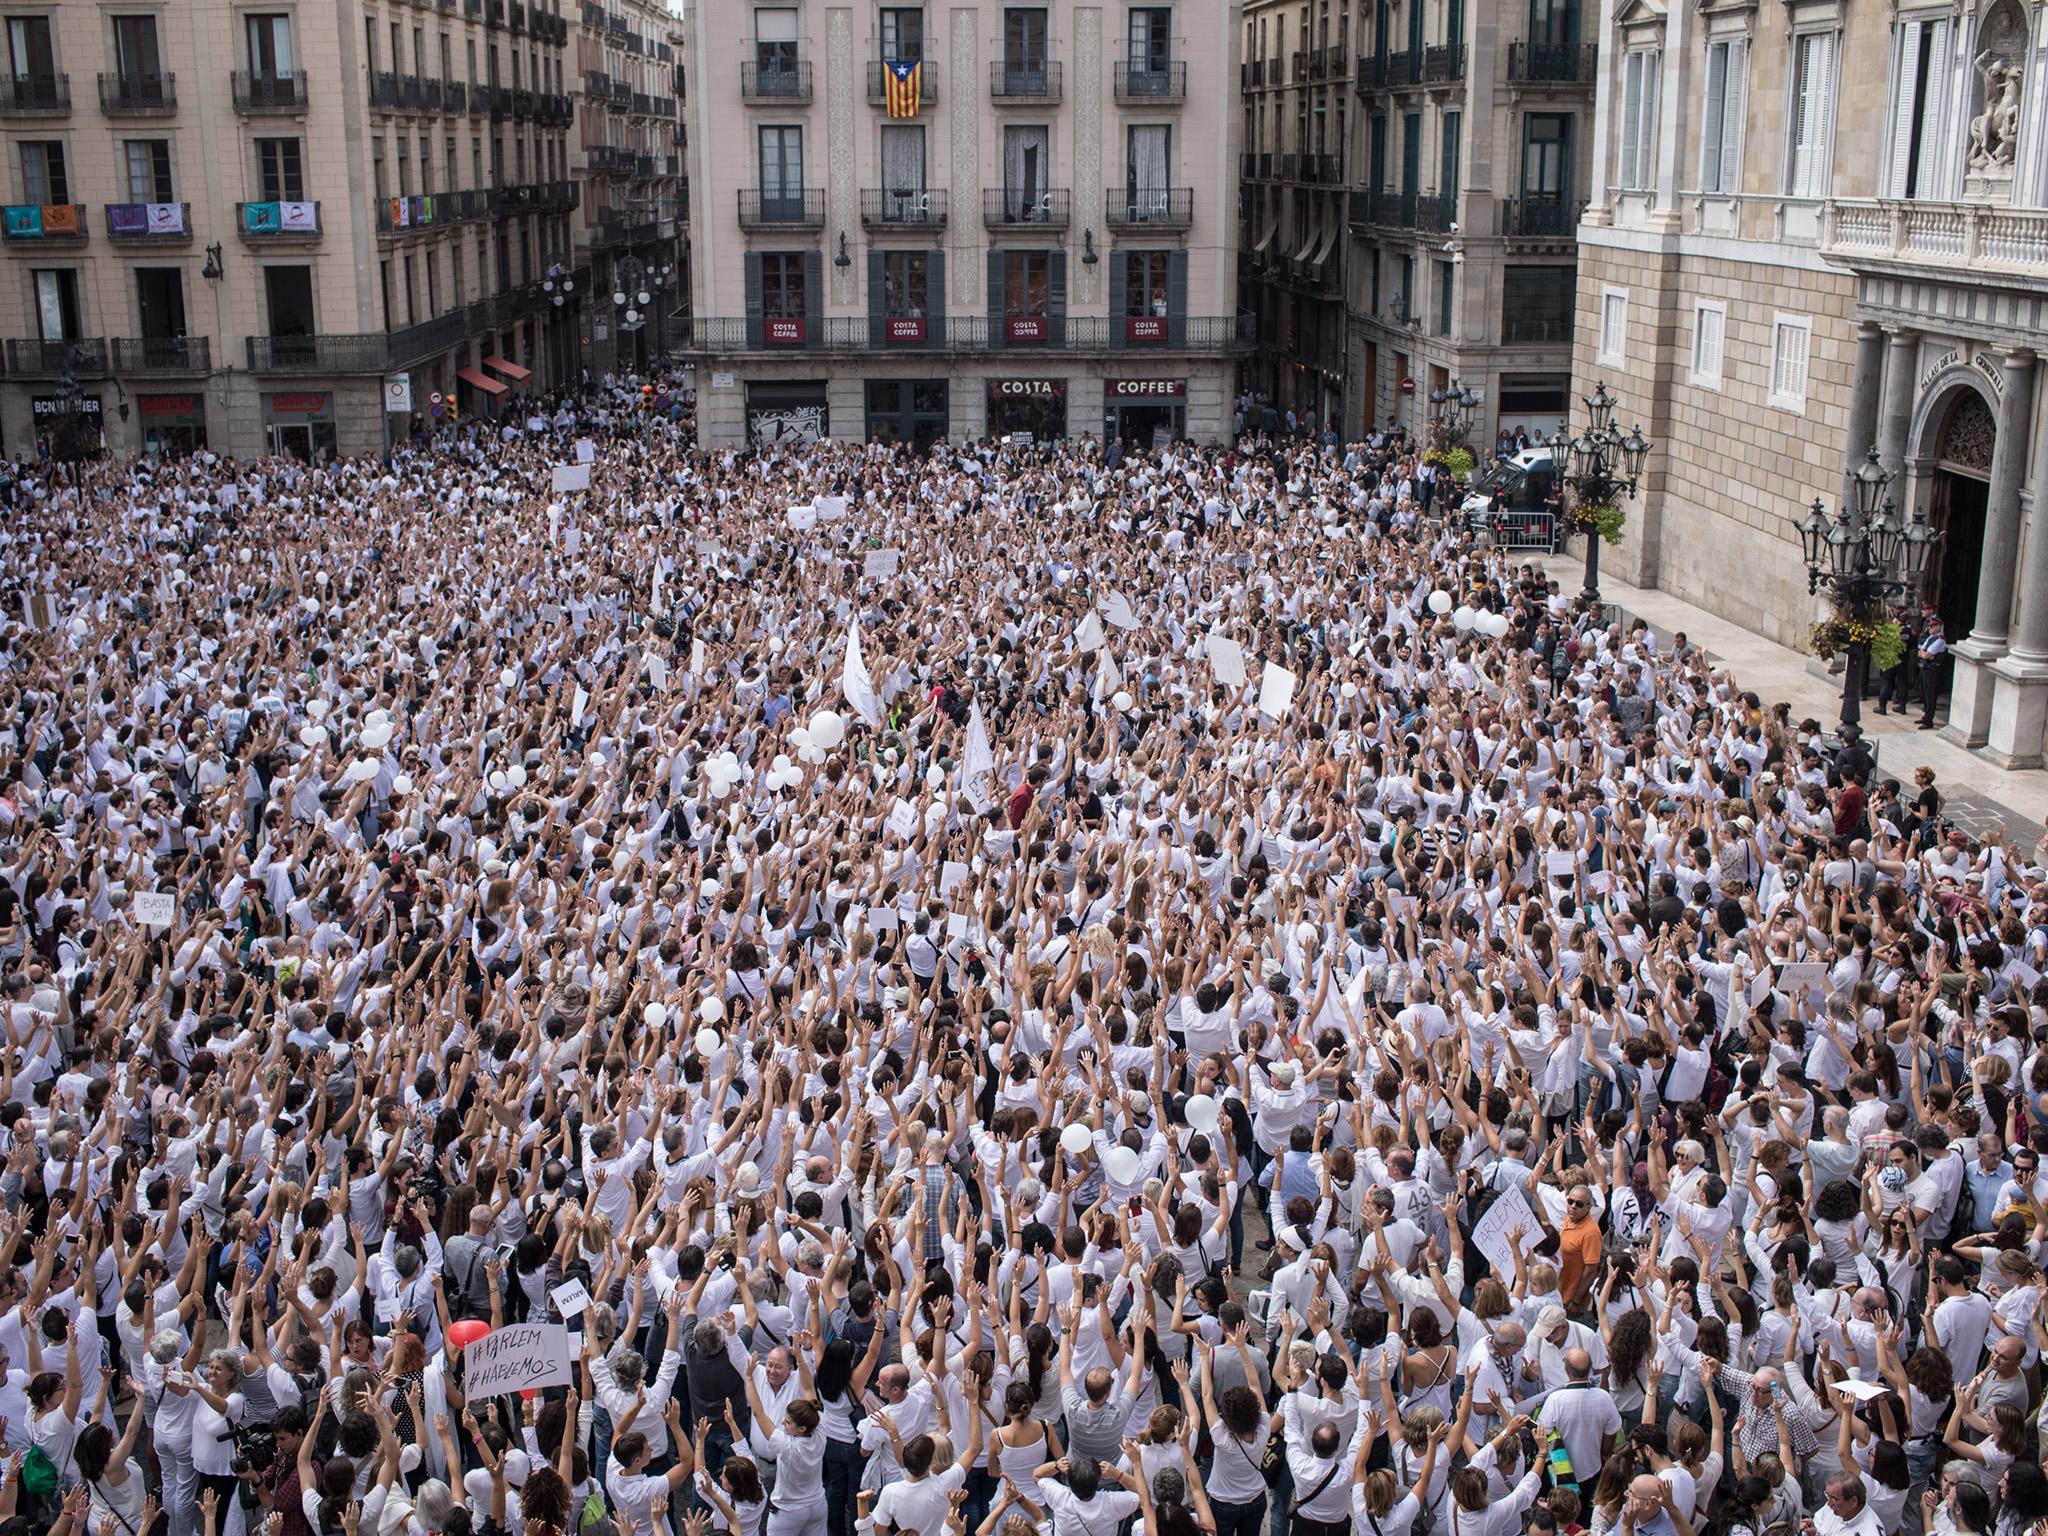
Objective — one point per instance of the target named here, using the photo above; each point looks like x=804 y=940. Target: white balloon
x=827 y=729
x=711 y=1010
x=655 y=1015
x=812 y=755
x=509 y=676
x=1121 y=1164
x=935 y=776
x=78 y=627
x=621 y=857
x=781 y=763
x=1439 y=602
x=1500 y=627
x=310 y=604
x=402 y=785
x=362 y=770
x=800 y=737
x=247 y=556
x=496 y=780
x=1121 y=703
x=934 y=814
x=1075 y=1138
x=313 y=735
x=375 y=736
x=1203 y=1112
x=316 y=708
x=719 y=789
x=1463 y=617
x=321 y=577
x=1347 y=689
x=516 y=776
x=707 y=1041
x=377 y=717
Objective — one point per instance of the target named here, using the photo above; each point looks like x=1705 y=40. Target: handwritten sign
x=586 y=450
x=510 y=1359
x=1491 y=1234
x=572 y=477
x=159 y=909
x=881 y=563
x=570 y=1298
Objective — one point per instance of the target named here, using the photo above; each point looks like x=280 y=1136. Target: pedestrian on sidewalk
x=1932 y=655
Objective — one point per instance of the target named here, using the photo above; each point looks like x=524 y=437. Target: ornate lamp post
x=1453 y=405
x=1865 y=558
x=1598 y=468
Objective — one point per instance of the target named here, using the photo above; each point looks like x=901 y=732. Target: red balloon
x=465 y=1333
x=529 y=1393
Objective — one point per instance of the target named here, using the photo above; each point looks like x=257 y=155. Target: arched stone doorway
x=1958 y=497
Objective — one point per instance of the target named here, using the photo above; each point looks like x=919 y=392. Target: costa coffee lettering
x=1144 y=328
x=904 y=329
x=783 y=332
x=1147 y=389
x=1026 y=389
x=1026 y=328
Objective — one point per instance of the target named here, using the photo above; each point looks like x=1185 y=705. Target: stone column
x=2019 y=704
x=1863 y=394
x=1901 y=361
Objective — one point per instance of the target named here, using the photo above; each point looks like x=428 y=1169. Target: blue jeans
x=842 y=1480
x=1238 y=1519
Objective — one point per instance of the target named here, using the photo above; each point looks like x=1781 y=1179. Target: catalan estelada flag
x=902 y=82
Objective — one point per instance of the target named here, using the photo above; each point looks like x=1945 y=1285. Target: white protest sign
x=512 y=1359
x=803 y=519
x=586 y=450
x=1226 y=660
x=572 y=542
x=696 y=658
x=881 y=563
x=570 y=1299
x=904 y=820
x=572 y=477
x=551 y=613
x=577 y=705
x=830 y=508
x=405 y=597
x=952 y=874
x=1089 y=635
x=657 y=671
x=159 y=909
x=1803 y=976
x=1116 y=608
x=1276 y=691
x=1490 y=1234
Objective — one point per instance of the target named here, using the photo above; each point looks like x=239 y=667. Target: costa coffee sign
x=783 y=332
x=905 y=329
x=1026 y=328
x=1146 y=389
x=1027 y=389
x=1144 y=328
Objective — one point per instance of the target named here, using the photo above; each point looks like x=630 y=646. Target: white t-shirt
x=921 y=1506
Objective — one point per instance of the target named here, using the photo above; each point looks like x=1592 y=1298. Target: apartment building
x=256 y=227
x=1468 y=170
x=1814 y=231
x=1295 y=113
x=915 y=222
x=628 y=159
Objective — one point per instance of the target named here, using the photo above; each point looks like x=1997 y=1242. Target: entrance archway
x=1960 y=492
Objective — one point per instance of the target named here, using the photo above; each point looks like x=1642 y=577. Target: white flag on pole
x=858 y=687
x=978 y=771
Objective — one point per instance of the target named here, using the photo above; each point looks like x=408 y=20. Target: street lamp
x=1865 y=558
x=1599 y=467
x=1454 y=406
x=558 y=284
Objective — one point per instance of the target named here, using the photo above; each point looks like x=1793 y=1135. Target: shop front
x=69 y=425
x=299 y=423
x=910 y=411
x=794 y=412
x=1145 y=413
x=172 y=423
x=1037 y=407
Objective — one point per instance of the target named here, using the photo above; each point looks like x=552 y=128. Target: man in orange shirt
x=1578 y=1251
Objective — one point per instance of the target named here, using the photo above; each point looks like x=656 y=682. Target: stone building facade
x=1817 y=227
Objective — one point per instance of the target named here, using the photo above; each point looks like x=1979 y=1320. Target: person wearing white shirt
x=1582 y=1415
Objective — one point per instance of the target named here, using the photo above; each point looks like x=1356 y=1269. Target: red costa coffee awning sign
x=1027 y=389
x=1145 y=389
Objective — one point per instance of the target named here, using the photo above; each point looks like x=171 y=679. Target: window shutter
x=1905 y=110
x=1056 y=297
x=1823 y=123
x=1631 y=114
x=1177 y=297
x=753 y=280
x=1802 y=107
x=878 y=327
x=998 y=336
x=935 y=296
x=1933 y=181
x=1646 y=125
x=814 y=297
x=1119 y=297
x=1733 y=117
x=1712 y=124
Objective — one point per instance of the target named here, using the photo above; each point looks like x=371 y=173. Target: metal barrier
x=1524 y=528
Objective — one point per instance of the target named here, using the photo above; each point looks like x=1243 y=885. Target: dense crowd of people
x=1022 y=989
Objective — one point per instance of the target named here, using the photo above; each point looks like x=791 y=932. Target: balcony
x=1443 y=64
x=427 y=338
x=881 y=208
x=1255 y=167
x=149 y=223
x=2007 y=247
x=366 y=353
x=44 y=224
x=138 y=95
x=787 y=210
x=52 y=359
x=1553 y=63
x=35 y=95
x=1433 y=214
x=1026 y=84
x=455 y=97
x=1006 y=210
x=927 y=83
x=976 y=333
x=1149 y=208
x=645 y=167
x=280 y=223
x=607 y=159
x=1541 y=218
x=162 y=354
x=1151 y=85
x=256 y=95
x=1535 y=330
x=1319 y=170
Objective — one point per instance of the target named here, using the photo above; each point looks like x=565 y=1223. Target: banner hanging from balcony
x=165 y=218
x=260 y=218
x=24 y=221
x=904 y=80
x=299 y=218
x=60 y=219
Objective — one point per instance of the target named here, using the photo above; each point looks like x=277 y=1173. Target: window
x=782 y=285
x=1446 y=294
x=1447 y=178
x=1553 y=23
x=57 y=304
x=43 y=179
x=902 y=160
x=288 y=296
x=1547 y=156
x=1613 y=325
x=1791 y=343
x=1639 y=120
x=775 y=39
x=160 y=305
x=1536 y=304
x=136 y=58
x=31 y=54
x=1027 y=282
x=1151 y=41
x=1024 y=41
x=278 y=172
x=1721 y=118
x=903 y=33
x=270 y=46
x=906 y=284
x=782 y=167
x=1148 y=167
x=1813 y=112
x=1027 y=152
x=1145 y=286
x=377 y=178
x=1709 y=327
x=1920 y=69
x=146 y=164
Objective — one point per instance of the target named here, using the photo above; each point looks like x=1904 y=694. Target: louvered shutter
x=1712 y=124
x=878 y=323
x=814 y=298
x=1905 y=110
x=1631 y=115
x=1119 y=298
x=1733 y=118
x=1177 y=298
x=998 y=333
x=1056 y=297
x=935 y=296
x=753 y=281
x=1935 y=125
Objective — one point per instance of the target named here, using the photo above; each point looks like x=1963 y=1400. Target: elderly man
x=1762 y=1398
x=1498 y=1375
x=1846 y=1512
x=908 y=1408
x=1582 y=1415
x=1554 y=1338
x=620 y=1378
